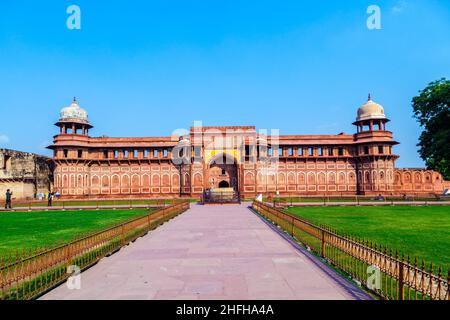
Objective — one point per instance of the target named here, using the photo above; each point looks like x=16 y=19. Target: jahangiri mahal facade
x=251 y=162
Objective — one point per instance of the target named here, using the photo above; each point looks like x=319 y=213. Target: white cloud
x=4 y=138
x=399 y=7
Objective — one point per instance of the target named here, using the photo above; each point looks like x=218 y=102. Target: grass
x=67 y=203
x=422 y=232
x=29 y=230
x=353 y=199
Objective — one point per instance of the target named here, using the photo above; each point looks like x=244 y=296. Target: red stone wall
x=418 y=181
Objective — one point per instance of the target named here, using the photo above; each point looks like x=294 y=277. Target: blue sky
x=146 y=68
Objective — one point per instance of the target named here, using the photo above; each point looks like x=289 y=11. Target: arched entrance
x=224 y=184
x=222 y=172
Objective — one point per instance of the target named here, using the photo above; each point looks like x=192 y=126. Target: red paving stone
x=210 y=252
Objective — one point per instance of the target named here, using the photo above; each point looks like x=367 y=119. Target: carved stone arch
x=397 y=178
x=271 y=178
x=417 y=177
x=260 y=178
x=249 y=178
x=72 y=181
x=95 y=180
x=311 y=178
x=291 y=178
x=115 y=181
x=135 y=181
x=321 y=179
x=65 y=182
x=407 y=177
x=105 y=181
x=331 y=178
x=146 y=180
x=186 y=179
x=155 y=180
x=281 y=178
x=367 y=177
x=301 y=178
x=341 y=177
x=165 y=180
x=198 y=179
x=79 y=180
x=382 y=176
x=351 y=178
x=175 y=180
x=125 y=181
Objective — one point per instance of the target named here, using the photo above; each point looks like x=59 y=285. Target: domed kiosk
x=74 y=120
x=371 y=115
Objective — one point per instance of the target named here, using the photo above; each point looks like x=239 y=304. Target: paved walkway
x=210 y=252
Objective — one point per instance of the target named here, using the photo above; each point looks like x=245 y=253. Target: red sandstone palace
x=251 y=162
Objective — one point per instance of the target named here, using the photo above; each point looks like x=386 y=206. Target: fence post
x=69 y=255
x=323 y=243
x=123 y=234
x=292 y=227
x=401 y=295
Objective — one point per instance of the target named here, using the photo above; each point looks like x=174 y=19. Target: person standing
x=8 y=199
x=49 y=199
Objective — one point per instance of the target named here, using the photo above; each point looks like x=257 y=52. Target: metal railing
x=378 y=269
x=32 y=273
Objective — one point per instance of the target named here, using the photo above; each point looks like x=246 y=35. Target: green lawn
x=24 y=230
x=416 y=231
x=67 y=203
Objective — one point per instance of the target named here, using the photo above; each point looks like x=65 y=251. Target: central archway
x=222 y=172
x=224 y=184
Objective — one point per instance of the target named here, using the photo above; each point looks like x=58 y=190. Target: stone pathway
x=210 y=252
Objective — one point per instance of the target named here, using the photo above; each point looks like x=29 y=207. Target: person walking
x=49 y=199
x=8 y=199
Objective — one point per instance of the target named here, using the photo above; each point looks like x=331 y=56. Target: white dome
x=370 y=110
x=74 y=113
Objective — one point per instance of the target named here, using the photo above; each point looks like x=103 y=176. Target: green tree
x=432 y=110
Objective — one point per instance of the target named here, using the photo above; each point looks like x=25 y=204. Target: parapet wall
x=419 y=181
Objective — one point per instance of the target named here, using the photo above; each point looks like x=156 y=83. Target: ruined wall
x=26 y=174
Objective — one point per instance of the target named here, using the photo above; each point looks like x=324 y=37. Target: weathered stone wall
x=419 y=181
x=26 y=174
